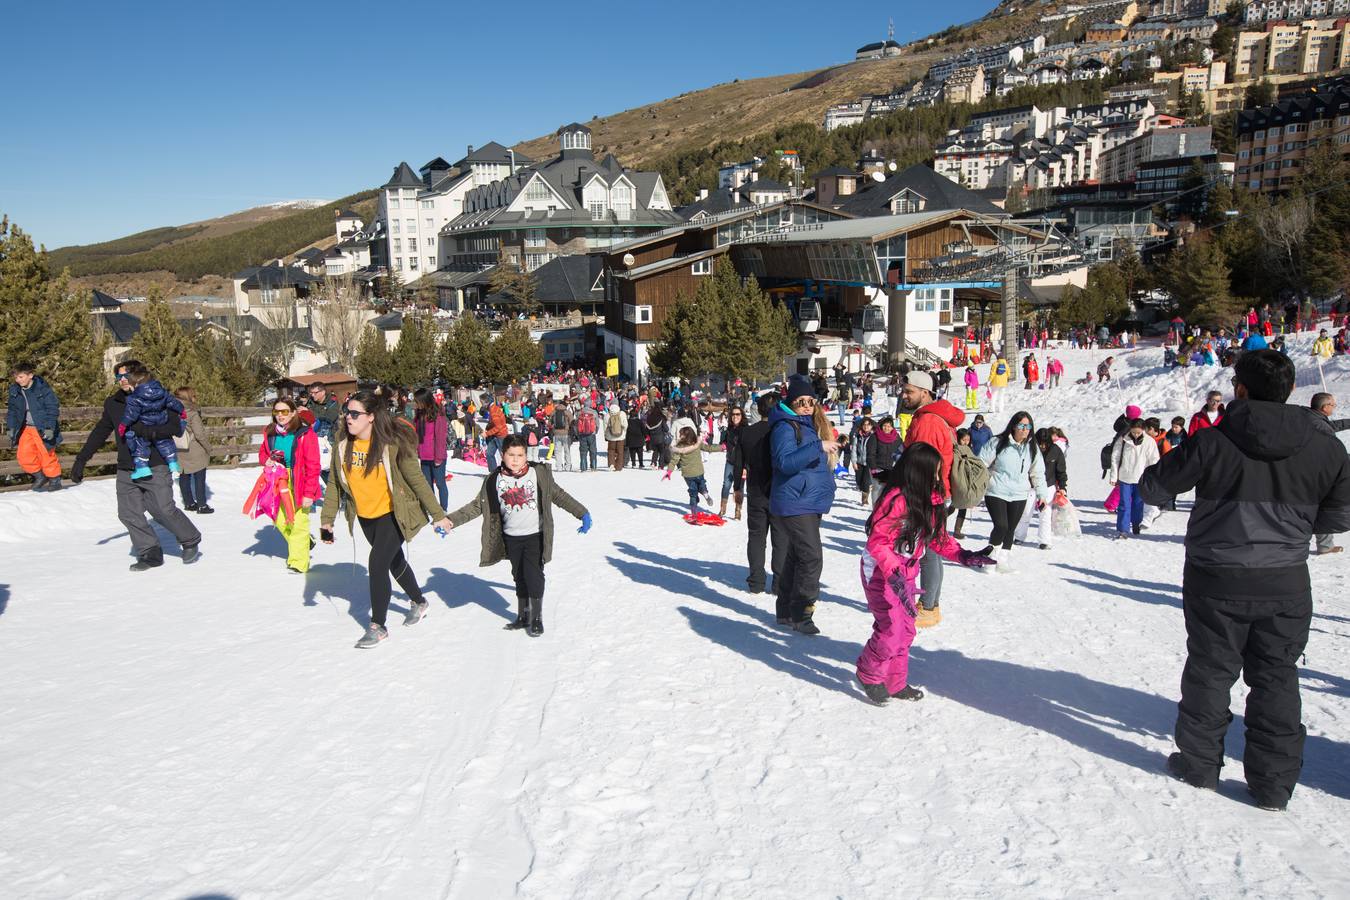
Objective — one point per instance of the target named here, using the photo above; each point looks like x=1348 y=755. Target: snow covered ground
x=209 y=730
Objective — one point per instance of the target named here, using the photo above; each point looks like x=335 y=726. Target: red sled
x=704 y=518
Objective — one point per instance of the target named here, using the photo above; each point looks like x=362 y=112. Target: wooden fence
x=233 y=443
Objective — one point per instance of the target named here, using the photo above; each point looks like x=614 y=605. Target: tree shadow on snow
x=112 y=537
x=1336 y=684
x=657 y=503
x=683 y=575
x=1144 y=591
x=457 y=589
x=1326 y=763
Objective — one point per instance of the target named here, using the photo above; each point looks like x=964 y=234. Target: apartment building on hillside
x=1259 y=11
x=1282 y=48
x=1273 y=141
x=1122 y=162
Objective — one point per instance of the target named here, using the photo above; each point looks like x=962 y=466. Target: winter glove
x=666 y=477
x=972 y=560
x=121 y=429
x=326 y=535
x=77 y=471
x=585 y=523
x=47 y=434
x=903 y=586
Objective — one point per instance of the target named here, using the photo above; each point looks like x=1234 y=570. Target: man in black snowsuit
x=758 y=479
x=1265 y=478
x=135 y=498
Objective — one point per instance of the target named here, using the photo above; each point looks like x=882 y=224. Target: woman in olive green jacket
x=376 y=470
x=194 y=455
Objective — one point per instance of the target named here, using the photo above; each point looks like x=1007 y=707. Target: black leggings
x=1005 y=515
x=386 y=558
x=526 y=553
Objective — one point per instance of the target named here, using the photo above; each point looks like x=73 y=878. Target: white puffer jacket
x=1129 y=460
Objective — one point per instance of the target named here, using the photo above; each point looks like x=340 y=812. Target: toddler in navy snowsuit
x=149 y=404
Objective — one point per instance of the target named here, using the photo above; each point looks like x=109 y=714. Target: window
x=538 y=191
x=336 y=269
x=535 y=260
x=410 y=224
x=269 y=295
x=398 y=245
x=534 y=237
x=702 y=267
x=393 y=202
x=431 y=242
x=430 y=223
x=622 y=196
x=638 y=315
x=597 y=208
x=398 y=262
x=412 y=262
x=431 y=262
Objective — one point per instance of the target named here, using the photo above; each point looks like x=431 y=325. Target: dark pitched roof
x=404 y=176
x=100 y=300
x=278 y=276
x=437 y=164
x=388 y=321
x=716 y=202
x=940 y=192
x=574 y=126
x=493 y=152
x=569 y=279
x=835 y=172
x=348 y=214
x=311 y=253
x=765 y=185
x=122 y=326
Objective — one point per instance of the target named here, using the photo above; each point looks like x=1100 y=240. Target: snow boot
x=908 y=692
x=191 y=552
x=723 y=511
x=39 y=482
x=204 y=510
x=141 y=473
x=1005 y=566
x=374 y=634
x=417 y=611
x=740 y=501
x=876 y=693
x=927 y=618
x=1268 y=801
x=175 y=468
x=522 y=616
x=53 y=484
x=805 y=626
x=146 y=563
x=536 y=617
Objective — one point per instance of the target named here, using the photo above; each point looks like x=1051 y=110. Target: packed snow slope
x=209 y=730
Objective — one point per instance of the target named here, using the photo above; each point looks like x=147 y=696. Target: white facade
x=845 y=114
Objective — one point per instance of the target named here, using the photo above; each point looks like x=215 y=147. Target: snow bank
x=210 y=730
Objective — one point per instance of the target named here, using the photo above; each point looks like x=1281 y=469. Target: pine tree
x=374 y=362
x=170 y=354
x=1199 y=282
x=1325 y=182
x=773 y=334
x=514 y=285
x=44 y=322
x=514 y=353
x=415 y=352
x=464 y=356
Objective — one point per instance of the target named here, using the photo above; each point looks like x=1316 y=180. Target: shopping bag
x=1064 y=520
x=1113 y=499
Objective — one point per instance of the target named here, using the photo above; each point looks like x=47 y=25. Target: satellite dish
x=878 y=177
x=892 y=166
x=628 y=260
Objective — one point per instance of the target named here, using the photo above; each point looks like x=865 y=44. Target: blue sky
x=132 y=116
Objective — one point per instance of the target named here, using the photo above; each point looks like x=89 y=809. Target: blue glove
x=441 y=531
x=585 y=524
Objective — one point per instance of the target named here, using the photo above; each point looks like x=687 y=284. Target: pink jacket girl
x=972 y=379
x=904 y=526
x=303 y=458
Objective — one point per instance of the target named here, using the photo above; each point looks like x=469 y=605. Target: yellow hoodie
x=995 y=379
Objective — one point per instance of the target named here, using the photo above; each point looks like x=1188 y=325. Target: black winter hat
x=798 y=386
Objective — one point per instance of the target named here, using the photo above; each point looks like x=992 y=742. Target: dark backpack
x=1106 y=456
x=559 y=419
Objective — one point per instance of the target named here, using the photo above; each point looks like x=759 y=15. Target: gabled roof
x=763 y=185
x=348 y=214
x=388 y=321
x=940 y=192
x=100 y=300
x=437 y=164
x=718 y=201
x=310 y=253
x=122 y=326
x=404 y=176
x=575 y=126
x=835 y=172
x=493 y=152
x=569 y=279
x=278 y=276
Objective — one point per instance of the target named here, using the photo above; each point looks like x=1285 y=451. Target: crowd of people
x=378 y=457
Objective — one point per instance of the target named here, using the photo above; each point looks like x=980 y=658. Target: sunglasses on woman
x=283 y=411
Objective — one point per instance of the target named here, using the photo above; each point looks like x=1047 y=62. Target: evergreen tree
x=415 y=353
x=1257 y=94
x=1016 y=199
x=374 y=362
x=688 y=342
x=42 y=321
x=171 y=355
x=515 y=286
x=1325 y=183
x=773 y=335
x=239 y=382
x=1198 y=278
x=465 y=354
x=514 y=354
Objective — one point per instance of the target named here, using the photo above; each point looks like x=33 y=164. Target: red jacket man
x=934 y=421
x=496 y=422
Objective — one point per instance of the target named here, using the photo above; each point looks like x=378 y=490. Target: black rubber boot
x=522 y=616
x=536 y=617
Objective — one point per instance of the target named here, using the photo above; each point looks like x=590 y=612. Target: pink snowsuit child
x=890 y=581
